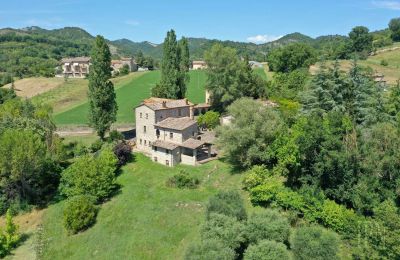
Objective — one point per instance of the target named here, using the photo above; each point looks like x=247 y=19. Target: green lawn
x=130 y=94
x=146 y=220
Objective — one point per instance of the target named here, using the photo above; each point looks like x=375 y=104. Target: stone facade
x=118 y=64
x=167 y=132
x=199 y=65
x=75 y=67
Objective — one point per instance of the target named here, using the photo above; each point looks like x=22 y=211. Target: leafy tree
x=257 y=175
x=102 y=100
x=28 y=173
x=79 y=214
x=267 y=225
x=124 y=70
x=228 y=203
x=174 y=68
x=267 y=250
x=92 y=176
x=253 y=85
x=209 y=120
x=6 y=94
x=394 y=26
x=288 y=85
x=224 y=228
x=314 y=243
x=291 y=57
x=139 y=58
x=246 y=141
x=123 y=152
x=210 y=249
x=361 y=39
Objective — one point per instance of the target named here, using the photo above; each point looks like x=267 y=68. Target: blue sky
x=245 y=20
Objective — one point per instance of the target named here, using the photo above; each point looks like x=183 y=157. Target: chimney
x=164 y=104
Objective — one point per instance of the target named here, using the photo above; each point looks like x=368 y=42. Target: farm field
x=130 y=94
x=146 y=220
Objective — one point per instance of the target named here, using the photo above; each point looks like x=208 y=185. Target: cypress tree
x=174 y=68
x=103 y=107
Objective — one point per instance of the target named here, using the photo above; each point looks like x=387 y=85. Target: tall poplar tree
x=103 y=106
x=174 y=68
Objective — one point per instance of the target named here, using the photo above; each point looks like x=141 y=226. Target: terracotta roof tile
x=176 y=123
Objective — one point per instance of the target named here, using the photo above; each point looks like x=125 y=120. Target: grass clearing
x=146 y=220
x=129 y=94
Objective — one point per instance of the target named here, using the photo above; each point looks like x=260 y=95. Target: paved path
x=85 y=130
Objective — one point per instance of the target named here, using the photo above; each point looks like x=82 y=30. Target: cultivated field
x=129 y=94
x=146 y=220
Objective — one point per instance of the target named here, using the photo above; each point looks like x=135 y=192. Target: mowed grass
x=147 y=219
x=130 y=94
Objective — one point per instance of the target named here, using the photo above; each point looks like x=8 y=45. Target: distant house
x=118 y=64
x=255 y=64
x=167 y=132
x=199 y=65
x=77 y=67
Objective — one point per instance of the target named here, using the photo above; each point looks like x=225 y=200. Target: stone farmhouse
x=118 y=64
x=167 y=132
x=77 y=67
x=199 y=65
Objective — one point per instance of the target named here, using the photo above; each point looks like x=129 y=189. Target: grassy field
x=71 y=93
x=391 y=71
x=146 y=220
x=130 y=94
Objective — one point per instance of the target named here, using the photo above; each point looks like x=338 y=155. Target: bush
x=89 y=175
x=115 y=136
x=124 y=70
x=9 y=237
x=228 y=230
x=123 y=151
x=384 y=63
x=255 y=177
x=314 y=243
x=183 y=180
x=79 y=214
x=228 y=203
x=209 y=120
x=267 y=250
x=209 y=249
x=96 y=146
x=267 y=225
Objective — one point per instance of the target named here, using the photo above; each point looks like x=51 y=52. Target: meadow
x=129 y=94
x=146 y=219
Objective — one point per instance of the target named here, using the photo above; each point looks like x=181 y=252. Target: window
x=171 y=135
x=144 y=129
x=149 y=144
x=167 y=151
x=147 y=116
x=167 y=162
x=155 y=148
x=179 y=112
x=145 y=142
x=158 y=133
x=140 y=141
x=192 y=133
x=140 y=115
x=155 y=159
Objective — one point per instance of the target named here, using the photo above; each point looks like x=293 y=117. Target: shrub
x=267 y=250
x=267 y=225
x=209 y=249
x=123 y=152
x=314 y=243
x=228 y=203
x=89 y=175
x=228 y=230
x=79 y=214
x=384 y=63
x=9 y=237
x=96 y=146
x=209 y=120
x=183 y=180
x=255 y=176
x=115 y=136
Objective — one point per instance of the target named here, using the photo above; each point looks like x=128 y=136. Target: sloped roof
x=176 y=123
x=164 y=103
x=75 y=59
x=165 y=145
x=192 y=143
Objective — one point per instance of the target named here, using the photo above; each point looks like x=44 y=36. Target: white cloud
x=263 y=38
x=391 y=5
x=132 y=22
